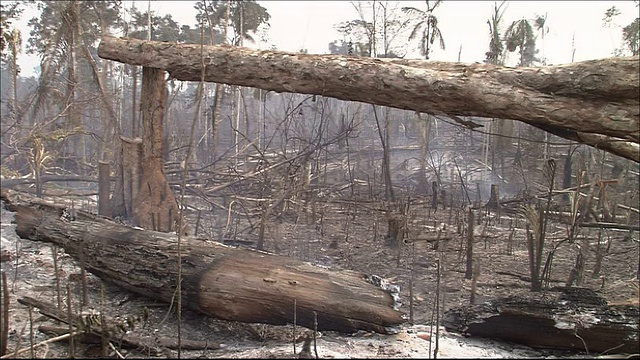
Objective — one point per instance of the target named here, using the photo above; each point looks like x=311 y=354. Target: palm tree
x=501 y=129
x=15 y=46
x=540 y=23
x=520 y=35
x=631 y=36
x=57 y=36
x=496 y=45
x=426 y=27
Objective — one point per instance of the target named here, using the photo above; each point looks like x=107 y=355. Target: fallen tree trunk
x=223 y=282
x=575 y=101
x=567 y=318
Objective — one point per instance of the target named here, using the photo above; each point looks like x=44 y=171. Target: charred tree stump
x=494 y=199
x=434 y=191
x=567 y=318
x=104 y=188
x=469 y=253
x=154 y=205
x=128 y=172
x=227 y=283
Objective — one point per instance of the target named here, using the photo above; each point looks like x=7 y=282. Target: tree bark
x=104 y=188
x=154 y=206
x=568 y=318
x=572 y=100
x=227 y=283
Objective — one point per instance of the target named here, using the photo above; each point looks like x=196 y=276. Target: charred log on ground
x=227 y=283
x=564 y=318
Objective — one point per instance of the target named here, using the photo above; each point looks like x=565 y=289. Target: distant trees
x=495 y=55
x=81 y=98
x=501 y=129
x=520 y=36
x=63 y=36
x=630 y=33
x=631 y=36
x=375 y=33
x=540 y=25
x=11 y=38
x=8 y=13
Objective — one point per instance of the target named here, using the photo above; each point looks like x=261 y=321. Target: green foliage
x=540 y=24
x=359 y=34
x=374 y=33
x=630 y=33
x=7 y=14
x=631 y=36
x=339 y=47
x=245 y=17
x=520 y=36
x=609 y=15
x=58 y=20
x=496 y=46
x=60 y=30
x=163 y=28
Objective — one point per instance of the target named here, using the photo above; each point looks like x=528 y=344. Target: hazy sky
x=310 y=25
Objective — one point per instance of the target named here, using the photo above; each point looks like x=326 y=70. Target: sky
x=310 y=24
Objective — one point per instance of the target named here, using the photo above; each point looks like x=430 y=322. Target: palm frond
x=539 y=23
x=439 y=34
x=549 y=173
x=418 y=28
x=413 y=11
x=423 y=44
x=533 y=218
x=435 y=32
x=53 y=57
x=513 y=35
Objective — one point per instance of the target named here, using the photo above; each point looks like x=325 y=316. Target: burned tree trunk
x=568 y=318
x=153 y=206
x=223 y=282
x=595 y=102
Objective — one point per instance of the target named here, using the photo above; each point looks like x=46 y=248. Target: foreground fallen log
x=565 y=318
x=594 y=102
x=223 y=282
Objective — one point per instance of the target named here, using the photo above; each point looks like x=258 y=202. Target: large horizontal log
x=223 y=282
x=598 y=96
x=567 y=318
